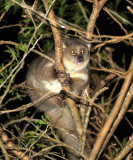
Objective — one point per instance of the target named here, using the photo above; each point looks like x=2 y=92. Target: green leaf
x=8 y=4
x=18 y=96
x=27 y=20
x=40 y=122
x=49 y=2
x=22 y=47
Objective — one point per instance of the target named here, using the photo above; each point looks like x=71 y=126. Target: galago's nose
x=80 y=58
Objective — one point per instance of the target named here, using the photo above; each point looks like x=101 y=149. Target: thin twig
x=20 y=63
x=97 y=6
x=11 y=145
x=124 y=20
x=125 y=151
x=7 y=65
x=83 y=11
x=88 y=115
x=4 y=150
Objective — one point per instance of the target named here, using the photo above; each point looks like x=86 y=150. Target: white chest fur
x=75 y=70
x=82 y=76
x=53 y=86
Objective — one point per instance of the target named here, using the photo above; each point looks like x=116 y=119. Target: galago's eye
x=73 y=52
x=83 y=51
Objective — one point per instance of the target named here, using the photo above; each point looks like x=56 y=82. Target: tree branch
x=125 y=151
x=110 y=120
x=59 y=66
x=10 y=144
x=121 y=114
x=97 y=6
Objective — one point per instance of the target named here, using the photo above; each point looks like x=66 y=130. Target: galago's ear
x=63 y=44
x=89 y=46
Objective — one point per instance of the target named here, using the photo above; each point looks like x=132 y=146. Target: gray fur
x=41 y=76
